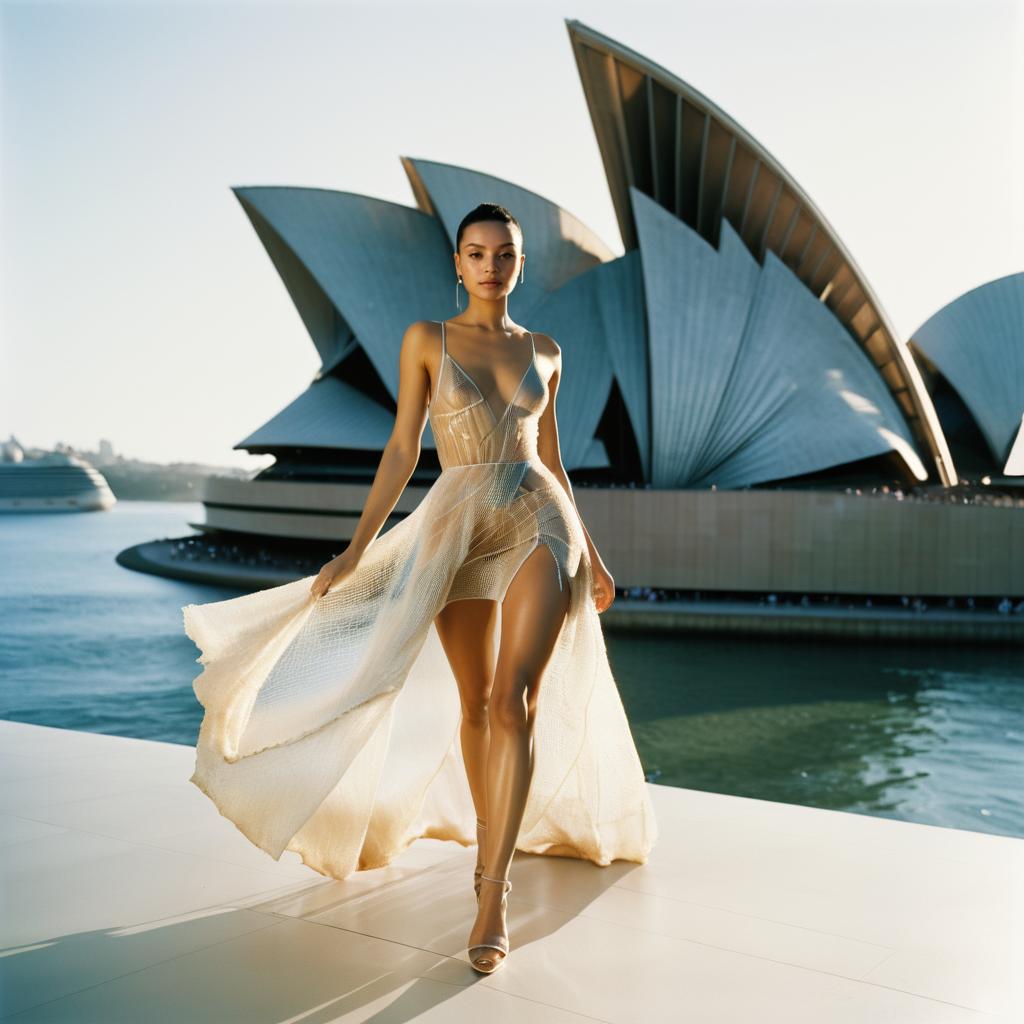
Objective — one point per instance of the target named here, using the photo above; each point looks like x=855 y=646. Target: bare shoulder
x=549 y=353
x=547 y=346
x=422 y=332
x=422 y=341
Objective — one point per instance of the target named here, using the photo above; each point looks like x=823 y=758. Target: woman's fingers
x=333 y=572
x=320 y=584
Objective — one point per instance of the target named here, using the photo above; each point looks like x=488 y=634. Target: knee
x=510 y=711
x=475 y=712
x=509 y=715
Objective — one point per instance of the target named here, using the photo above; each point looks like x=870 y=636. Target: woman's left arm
x=551 y=455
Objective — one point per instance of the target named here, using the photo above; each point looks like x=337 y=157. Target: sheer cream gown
x=331 y=726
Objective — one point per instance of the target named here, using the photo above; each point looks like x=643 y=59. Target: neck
x=488 y=315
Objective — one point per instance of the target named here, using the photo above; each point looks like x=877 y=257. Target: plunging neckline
x=445 y=354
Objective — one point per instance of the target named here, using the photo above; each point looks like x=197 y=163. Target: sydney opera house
x=737 y=412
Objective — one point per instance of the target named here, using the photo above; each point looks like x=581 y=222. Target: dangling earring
x=458 y=281
x=522 y=272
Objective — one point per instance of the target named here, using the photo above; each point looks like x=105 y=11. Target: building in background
x=972 y=355
x=736 y=411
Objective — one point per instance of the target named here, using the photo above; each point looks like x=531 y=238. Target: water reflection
x=922 y=734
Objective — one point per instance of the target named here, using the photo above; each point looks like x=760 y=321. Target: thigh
x=531 y=619
x=466 y=630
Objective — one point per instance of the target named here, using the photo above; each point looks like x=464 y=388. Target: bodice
x=467 y=430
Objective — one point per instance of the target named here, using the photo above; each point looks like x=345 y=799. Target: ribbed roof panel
x=328 y=414
x=591 y=317
x=752 y=378
x=977 y=341
x=658 y=134
x=381 y=265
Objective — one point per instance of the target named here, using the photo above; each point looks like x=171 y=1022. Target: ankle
x=504 y=883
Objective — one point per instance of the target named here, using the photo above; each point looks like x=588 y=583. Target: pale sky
x=139 y=305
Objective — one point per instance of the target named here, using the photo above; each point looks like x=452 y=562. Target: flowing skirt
x=331 y=726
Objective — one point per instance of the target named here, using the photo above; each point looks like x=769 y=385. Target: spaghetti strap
x=440 y=369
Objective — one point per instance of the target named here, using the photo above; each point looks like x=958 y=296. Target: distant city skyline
x=104 y=450
x=139 y=306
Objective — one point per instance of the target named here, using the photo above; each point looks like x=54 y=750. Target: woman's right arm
x=401 y=453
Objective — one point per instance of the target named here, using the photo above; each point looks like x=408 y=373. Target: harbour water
x=927 y=734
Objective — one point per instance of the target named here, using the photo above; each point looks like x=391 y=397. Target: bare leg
x=532 y=615
x=466 y=631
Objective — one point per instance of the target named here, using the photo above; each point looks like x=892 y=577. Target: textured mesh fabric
x=331 y=726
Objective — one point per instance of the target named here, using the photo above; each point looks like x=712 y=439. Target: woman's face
x=489 y=258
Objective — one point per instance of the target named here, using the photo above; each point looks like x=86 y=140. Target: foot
x=488 y=940
x=481 y=831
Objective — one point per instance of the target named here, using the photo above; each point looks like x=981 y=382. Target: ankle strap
x=504 y=881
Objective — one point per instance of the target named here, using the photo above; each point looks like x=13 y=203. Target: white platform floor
x=127 y=897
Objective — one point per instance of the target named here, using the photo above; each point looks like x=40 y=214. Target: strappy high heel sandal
x=480 y=827
x=478 y=958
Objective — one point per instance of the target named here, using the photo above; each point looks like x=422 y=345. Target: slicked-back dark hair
x=485 y=211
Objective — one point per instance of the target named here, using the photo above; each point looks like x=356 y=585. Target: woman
x=499 y=528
